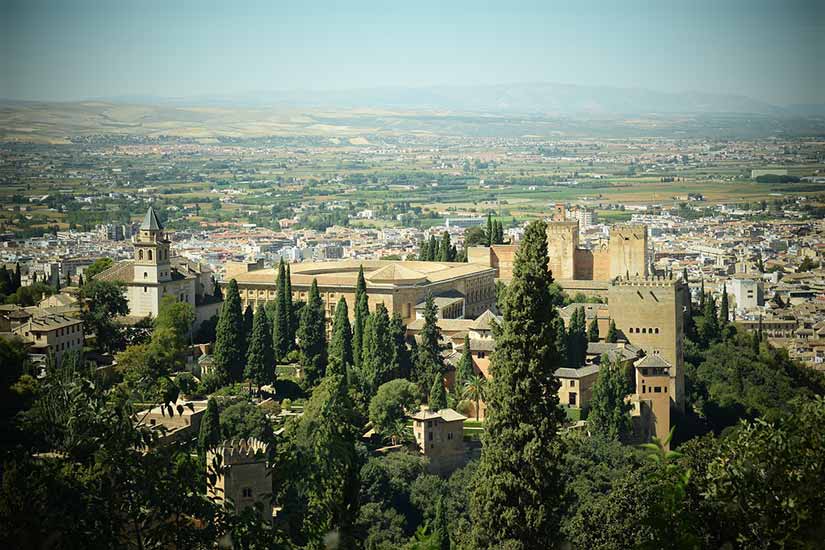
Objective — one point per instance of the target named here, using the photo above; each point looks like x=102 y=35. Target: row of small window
x=645 y=330
x=162 y=254
x=69 y=330
x=68 y=345
x=655 y=389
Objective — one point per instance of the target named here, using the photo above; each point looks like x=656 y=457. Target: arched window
x=140 y=254
x=656 y=330
x=149 y=254
x=644 y=331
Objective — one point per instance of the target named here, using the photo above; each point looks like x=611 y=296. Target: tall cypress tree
x=433 y=250
x=210 y=430
x=424 y=251
x=560 y=341
x=466 y=368
x=724 y=309
x=229 y=353
x=340 y=346
x=517 y=500
x=428 y=360
x=292 y=322
x=710 y=326
x=248 y=321
x=445 y=249
x=577 y=339
x=260 y=358
x=361 y=312
x=280 y=334
x=609 y=414
x=401 y=355
x=441 y=527
x=490 y=233
x=378 y=350
x=438 y=395
x=312 y=337
x=593 y=331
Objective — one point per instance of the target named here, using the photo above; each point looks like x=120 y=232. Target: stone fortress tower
x=244 y=478
x=649 y=311
x=628 y=251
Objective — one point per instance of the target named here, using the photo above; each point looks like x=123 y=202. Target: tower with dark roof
x=152 y=251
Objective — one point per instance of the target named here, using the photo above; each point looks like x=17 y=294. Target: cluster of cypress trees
x=373 y=349
x=495 y=231
x=9 y=279
x=438 y=250
x=249 y=343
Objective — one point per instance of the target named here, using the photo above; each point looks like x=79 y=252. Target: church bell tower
x=151 y=251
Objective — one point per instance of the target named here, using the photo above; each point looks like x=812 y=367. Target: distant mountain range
x=539 y=98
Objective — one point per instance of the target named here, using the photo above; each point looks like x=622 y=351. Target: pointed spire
x=151 y=221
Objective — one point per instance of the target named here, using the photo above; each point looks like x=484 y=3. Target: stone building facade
x=401 y=286
x=440 y=437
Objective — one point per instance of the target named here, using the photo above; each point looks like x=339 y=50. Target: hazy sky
x=768 y=50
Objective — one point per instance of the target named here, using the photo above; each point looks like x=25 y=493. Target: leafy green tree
x=229 y=353
x=340 y=346
x=242 y=420
x=321 y=468
x=428 y=360
x=474 y=389
x=612 y=333
x=766 y=480
x=210 y=431
x=361 y=313
x=260 y=358
x=312 y=337
x=609 y=414
x=98 y=266
x=474 y=236
x=441 y=531
x=102 y=302
x=466 y=367
x=518 y=497
x=438 y=395
x=281 y=332
x=177 y=317
x=593 y=331
x=391 y=404
x=378 y=350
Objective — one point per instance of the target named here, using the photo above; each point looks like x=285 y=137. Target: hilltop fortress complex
x=574 y=268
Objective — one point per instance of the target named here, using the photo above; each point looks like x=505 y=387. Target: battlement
x=563 y=227
x=241 y=451
x=627 y=231
x=651 y=281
